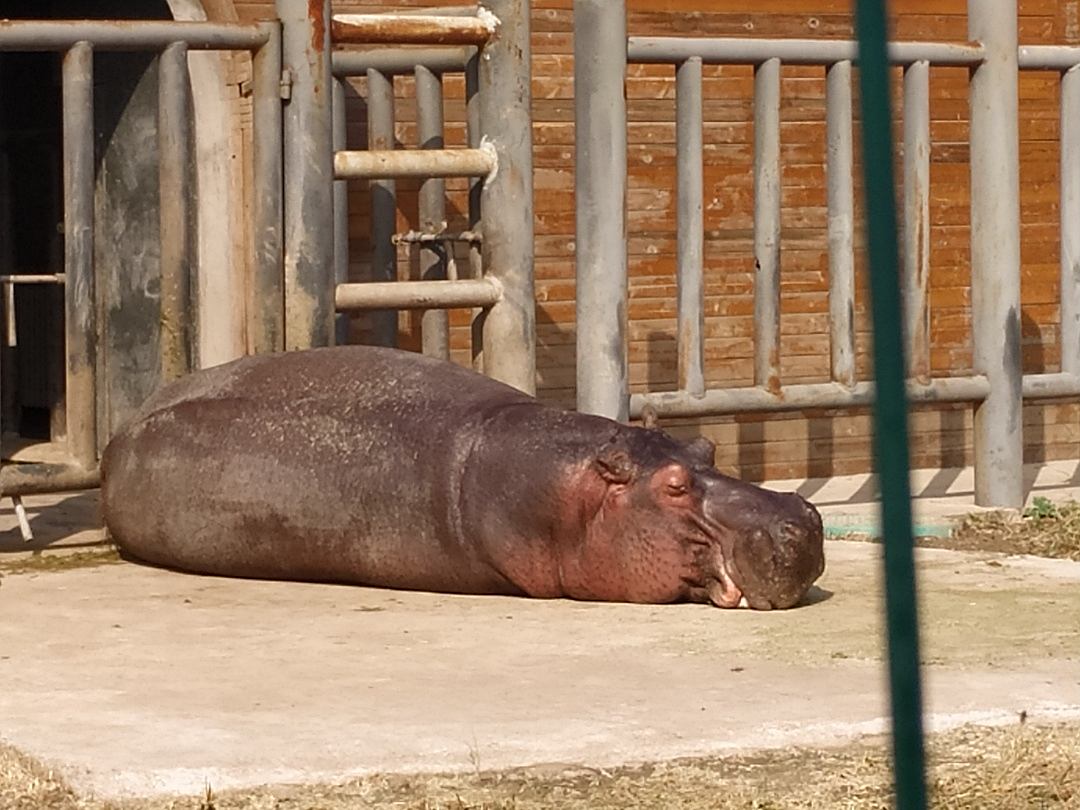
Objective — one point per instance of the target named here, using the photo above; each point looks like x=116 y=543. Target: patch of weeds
x=1041 y=509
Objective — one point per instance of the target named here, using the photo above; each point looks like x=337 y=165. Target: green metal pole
x=890 y=408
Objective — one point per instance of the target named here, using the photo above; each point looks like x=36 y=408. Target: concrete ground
x=133 y=680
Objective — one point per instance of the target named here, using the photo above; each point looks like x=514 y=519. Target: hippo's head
x=732 y=543
x=772 y=543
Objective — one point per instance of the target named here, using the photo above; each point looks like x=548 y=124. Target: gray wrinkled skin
x=386 y=468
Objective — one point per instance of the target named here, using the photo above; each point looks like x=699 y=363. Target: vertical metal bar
x=691 y=227
x=80 y=309
x=380 y=89
x=476 y=188
x=475 y=133
x=174 y=100
x=600 y=191
x=891 y=447
x=266 y=315
x=434 y=323
x=1070 y=221
x=507 y=200
x=767 y=225
x=995 y=254
x=916 y=250
x=841 y=203
x=309 y=175
x=341 y=210
x=11 y=337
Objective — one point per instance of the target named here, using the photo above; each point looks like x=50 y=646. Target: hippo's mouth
x=723 y=592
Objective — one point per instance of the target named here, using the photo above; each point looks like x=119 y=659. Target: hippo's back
x=335 y=464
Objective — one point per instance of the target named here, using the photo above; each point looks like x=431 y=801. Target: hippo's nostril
x=791 y=532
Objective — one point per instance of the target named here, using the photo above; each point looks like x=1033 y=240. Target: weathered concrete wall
x=127 y=235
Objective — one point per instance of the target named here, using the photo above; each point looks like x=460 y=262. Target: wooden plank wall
x=757 y=447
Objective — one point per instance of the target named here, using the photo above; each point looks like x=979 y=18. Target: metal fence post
x=600 y=192
x=341 y=209
x=434 y=323
x=266 y=315
x=509 y=328
x=891 y=448
x=691 y=227
x=80 y=299
x=174 y=98
x=476 y=190
x=841 y=206
x=916 y=250
x=995 y=254
x=1070 y=221
x=380 y=87
x=767 y=203
x=309 y=175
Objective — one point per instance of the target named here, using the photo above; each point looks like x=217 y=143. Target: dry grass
x=1022 y=767
x=27 y=785
x=1045 y=530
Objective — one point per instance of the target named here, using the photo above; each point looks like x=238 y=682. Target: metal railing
x=998 y=385
x=490 y=45
x=300 y=165
x=78 y=40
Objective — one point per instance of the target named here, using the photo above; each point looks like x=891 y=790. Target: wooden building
x=754 y=446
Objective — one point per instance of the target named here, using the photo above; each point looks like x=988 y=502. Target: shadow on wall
x=1033 y=352
x=554 y=344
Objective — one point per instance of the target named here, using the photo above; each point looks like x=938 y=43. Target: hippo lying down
x=386 y=468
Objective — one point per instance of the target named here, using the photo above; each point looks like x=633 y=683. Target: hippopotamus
x=386 y=468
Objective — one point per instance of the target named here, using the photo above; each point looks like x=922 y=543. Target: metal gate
x=78 y=41
x=299 y=291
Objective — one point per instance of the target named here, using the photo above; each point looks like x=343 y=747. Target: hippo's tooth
x=743 y=603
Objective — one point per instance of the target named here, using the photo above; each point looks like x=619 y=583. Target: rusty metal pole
x=174 y=170
x=507 y=201
x=309 y=175
x=80 y=307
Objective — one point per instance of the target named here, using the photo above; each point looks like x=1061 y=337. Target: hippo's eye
x=677 y=489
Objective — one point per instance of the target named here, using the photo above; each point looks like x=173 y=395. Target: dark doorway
x=31 y=220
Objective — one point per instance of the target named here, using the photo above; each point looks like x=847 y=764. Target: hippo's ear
x=649 y=418
x=702 y=450
x=614 y=465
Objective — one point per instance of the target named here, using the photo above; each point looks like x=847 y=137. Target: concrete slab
x=133 y=680
x=68 y=521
